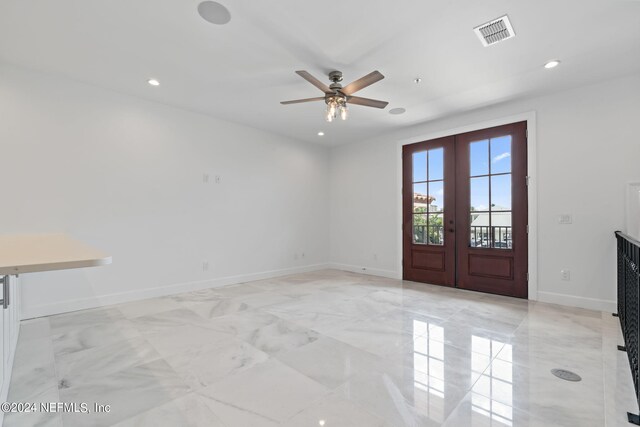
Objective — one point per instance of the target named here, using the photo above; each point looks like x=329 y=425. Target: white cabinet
x=32 y=253
x=10 y=329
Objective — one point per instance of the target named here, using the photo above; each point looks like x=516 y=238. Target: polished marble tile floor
x=327 y=348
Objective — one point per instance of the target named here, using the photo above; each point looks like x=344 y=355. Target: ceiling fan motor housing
x=335 y=76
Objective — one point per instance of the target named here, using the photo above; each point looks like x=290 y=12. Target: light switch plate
x=565 y=219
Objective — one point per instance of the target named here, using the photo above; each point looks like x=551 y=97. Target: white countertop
x=29 y=253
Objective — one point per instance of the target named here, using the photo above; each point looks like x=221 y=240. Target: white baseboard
x=366 y=270
x=548 y=297
x=104 y=300
x=581 y=302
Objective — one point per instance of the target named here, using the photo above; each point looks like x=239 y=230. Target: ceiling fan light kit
x=335 y=104
x=337 y=97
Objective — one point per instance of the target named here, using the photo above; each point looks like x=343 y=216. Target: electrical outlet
x=565 y=275
x=205 y=178
x=218 y=179
x=302 y=254
x=205 y=265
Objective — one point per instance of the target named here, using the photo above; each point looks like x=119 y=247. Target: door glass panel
x=479 y=230
x=501 y=192
x=420 y=166
x=480 y=194
x=436 y=195
x=490 y=194
x=420 y=228
x=501 y=154
x=420 y=198
x=479 y=157
x=436 y=229
x=501 y=230
x=428 y=197
x=436 y=164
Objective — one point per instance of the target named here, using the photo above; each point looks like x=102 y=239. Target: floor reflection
x=491 y=370
x=493 y=392
x=428 y=367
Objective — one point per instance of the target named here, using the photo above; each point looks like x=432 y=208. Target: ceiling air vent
x=495 y=31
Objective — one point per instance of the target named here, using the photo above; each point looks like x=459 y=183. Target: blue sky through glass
x=436 y=164
x=501 y=154
x=487 y=155
x=498 y=151
x=420 y=166
x=429 y=165
x=479 y=161
x=436 y=190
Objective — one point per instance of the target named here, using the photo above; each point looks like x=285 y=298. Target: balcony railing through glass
x=498 y=237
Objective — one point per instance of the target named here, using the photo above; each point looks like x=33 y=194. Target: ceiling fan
x=337 y=97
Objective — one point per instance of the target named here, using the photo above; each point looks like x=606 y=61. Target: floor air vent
x=495 y=31
x=563 y=374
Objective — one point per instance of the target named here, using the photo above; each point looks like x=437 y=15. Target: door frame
x=532 y=193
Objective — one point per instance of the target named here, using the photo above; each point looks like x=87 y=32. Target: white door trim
x=530 y=118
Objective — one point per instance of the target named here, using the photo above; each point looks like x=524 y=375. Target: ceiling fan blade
x=366 y=102
x=299 y=101
x=362 y=82
x=317 y=83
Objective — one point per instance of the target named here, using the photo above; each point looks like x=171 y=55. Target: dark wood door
x=491 y=215
x=429 y=211
x=465 y=211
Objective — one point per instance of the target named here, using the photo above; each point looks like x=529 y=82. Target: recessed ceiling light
x=397 y=111
x=417 y=80
x=153 y=82
x=552 y=64
x=320 y=133
x=214 y=12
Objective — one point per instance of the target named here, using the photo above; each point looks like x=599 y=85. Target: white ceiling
x=240 y=71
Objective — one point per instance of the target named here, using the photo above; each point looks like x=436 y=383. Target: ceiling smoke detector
x=495 y=31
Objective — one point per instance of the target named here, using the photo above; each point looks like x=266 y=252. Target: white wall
x=588 y=148
x=126 y=176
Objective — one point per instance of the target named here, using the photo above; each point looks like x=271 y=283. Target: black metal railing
x=629 y=304
x=481 y=236
x=491 y=237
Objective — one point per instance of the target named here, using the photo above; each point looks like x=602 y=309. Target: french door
x=465 y=210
